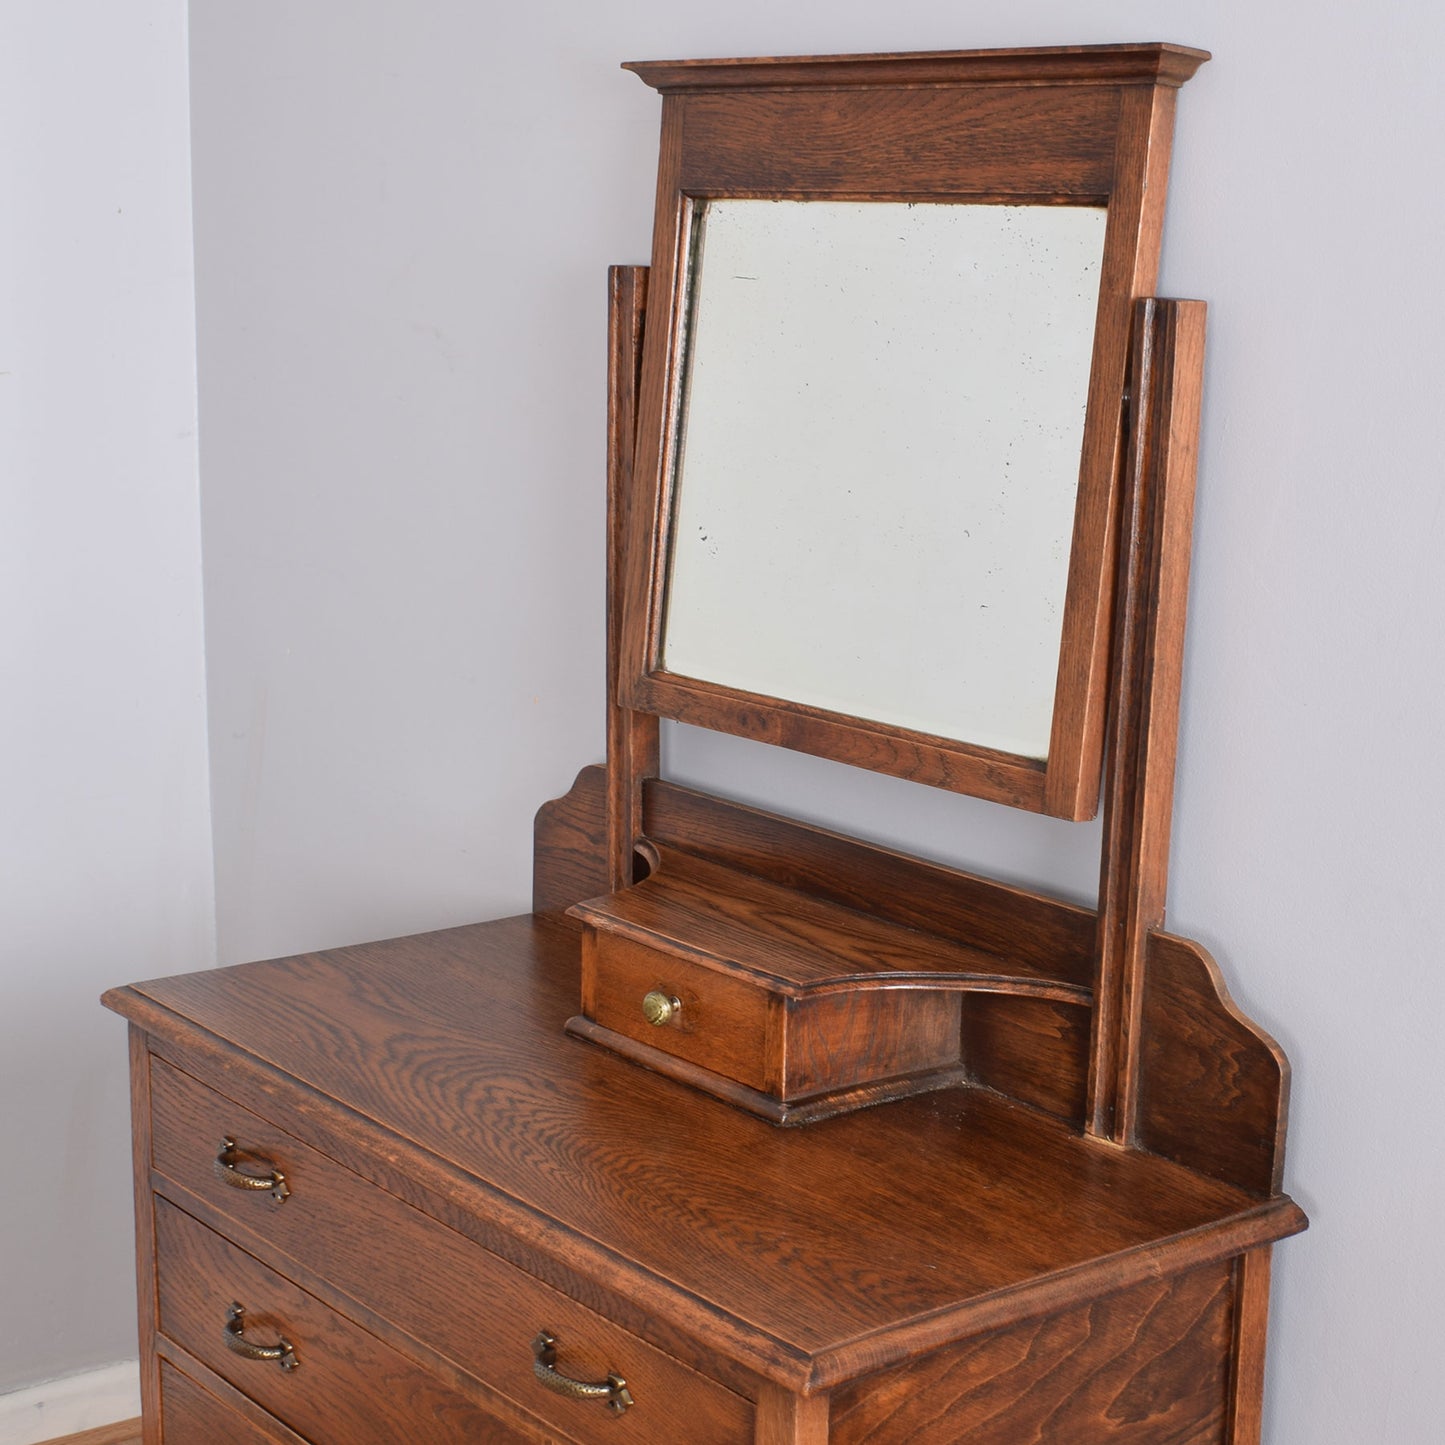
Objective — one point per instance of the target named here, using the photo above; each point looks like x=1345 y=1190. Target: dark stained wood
x=963 y=1211
x=632 y=737
x=1043 y=934
x=643 y=572
x=1132 y=243
x=1088 y=124
x=569 y=846
x=174 y=1358
x=145 y=1245
x=348 y=1384
x=698 y=908
x=358 y=1248
x=1053 y=65
x=1147 y=1366
x=1035 y=1052
x=788 y=1419
x=724 y=1020
x=1153 y=584
x=1251 y=1322
x=789 y=994
x=1213 y=1087
x=774 y=1103
x=1013 y=143
x=925 y=758
x=1057 y=1228
x=192 y=1415
x=821 y=1041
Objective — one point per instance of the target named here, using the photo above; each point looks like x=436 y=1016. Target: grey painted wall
x=403 y=215
x=105 y=853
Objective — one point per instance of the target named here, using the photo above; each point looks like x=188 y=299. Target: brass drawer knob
x=660 y=1008
x=272 y=1180
x=612 y=1391
x=236 y=1341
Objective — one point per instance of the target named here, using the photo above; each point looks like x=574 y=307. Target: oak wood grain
x=1146 y=1366
x=723 y=1022
x=797 y=940
x=1130 y=265
x=361 y=1250
x=1213 y=1086
x=957 y=1206
x=902 y=144
x=1045 y=935
x=193 y=1415
x=788 y=1419
x=1153 y=591
x=1033 y=1051
x=1251 y=1322
x=347 y=1386
x=175 y=1360
x=569 y=846
x=632 y=737
x=787 y=993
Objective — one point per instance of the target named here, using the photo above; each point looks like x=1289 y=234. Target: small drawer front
x=435 y=1285
x=721 y=1025
x=338 y=1383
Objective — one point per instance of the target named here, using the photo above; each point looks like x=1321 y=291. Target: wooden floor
x=124 y=1432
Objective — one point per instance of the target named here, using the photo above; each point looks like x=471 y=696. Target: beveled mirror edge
x=1131 y=138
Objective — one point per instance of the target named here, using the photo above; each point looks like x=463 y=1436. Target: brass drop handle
x=282 y=1351
x=613 y=1390
x=660 y=1008
x=273 y=1181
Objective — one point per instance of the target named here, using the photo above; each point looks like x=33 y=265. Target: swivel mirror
x=877 y=458
x=881 y=407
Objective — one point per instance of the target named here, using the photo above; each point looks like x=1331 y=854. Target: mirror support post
x=632 y=737
x=1156 y=518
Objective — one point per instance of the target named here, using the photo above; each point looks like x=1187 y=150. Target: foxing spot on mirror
x=878 y=458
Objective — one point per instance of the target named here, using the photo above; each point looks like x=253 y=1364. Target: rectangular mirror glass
x=878 y=457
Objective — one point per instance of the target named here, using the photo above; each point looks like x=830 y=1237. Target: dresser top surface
x=828 y=1240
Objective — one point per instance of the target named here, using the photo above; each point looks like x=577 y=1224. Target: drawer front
x=723 y=1024
x=346 y=1385
x=435 y=1285
x=191 y=1415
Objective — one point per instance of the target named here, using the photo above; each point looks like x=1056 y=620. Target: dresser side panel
x=1147 y=1366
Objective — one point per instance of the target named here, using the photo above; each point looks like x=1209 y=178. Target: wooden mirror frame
x=1081 y=125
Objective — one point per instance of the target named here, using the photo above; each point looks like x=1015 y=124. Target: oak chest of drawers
x=382 y=1196
x=528 y=1180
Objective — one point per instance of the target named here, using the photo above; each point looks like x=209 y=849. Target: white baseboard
x=71 y=1403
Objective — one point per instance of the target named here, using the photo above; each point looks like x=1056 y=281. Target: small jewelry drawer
x=671 y=1003
x=787 y=1050
x=484 y=1315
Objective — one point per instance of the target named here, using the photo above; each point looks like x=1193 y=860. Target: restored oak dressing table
x=752 y=1131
